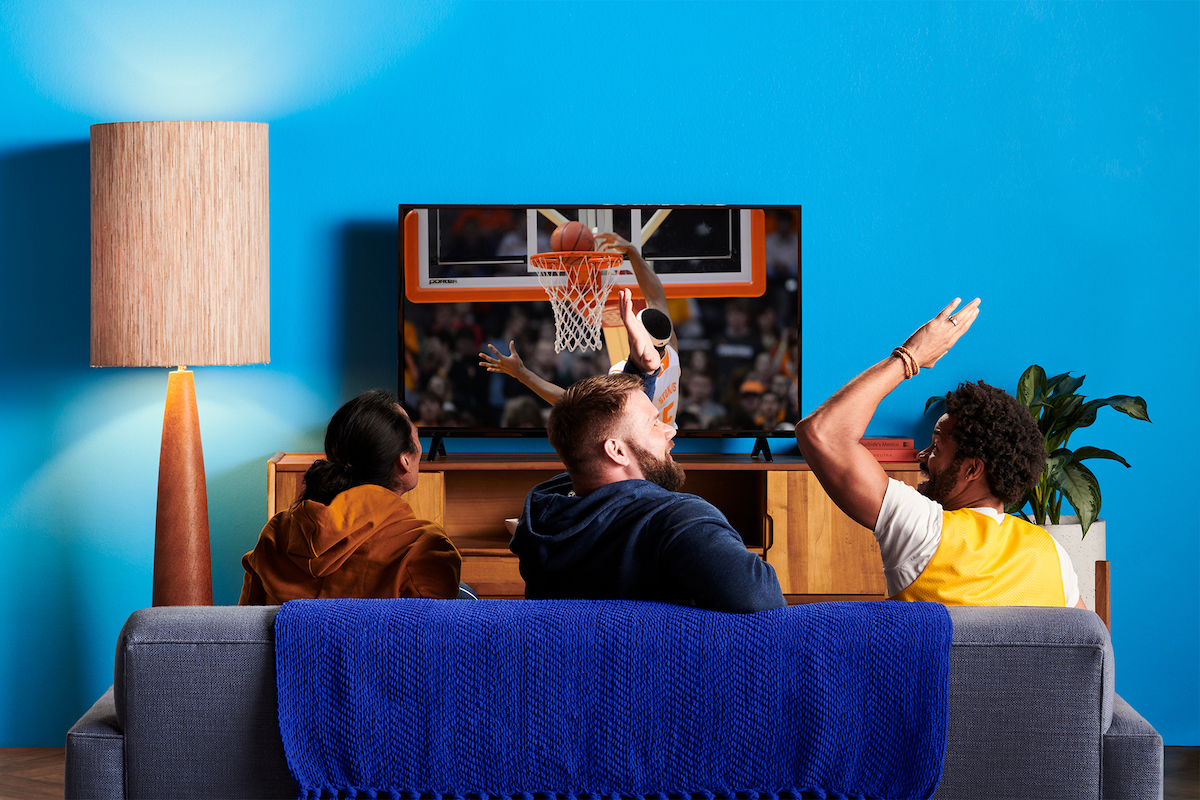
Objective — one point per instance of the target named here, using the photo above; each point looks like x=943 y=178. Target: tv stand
x=777 y=506
x=437 y=447
x=762 y=448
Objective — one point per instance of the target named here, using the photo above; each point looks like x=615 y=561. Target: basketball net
x=578 y=283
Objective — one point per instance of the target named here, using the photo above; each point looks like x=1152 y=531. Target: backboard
x=481 y=253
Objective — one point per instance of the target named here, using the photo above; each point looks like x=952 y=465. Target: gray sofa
x=192 y=712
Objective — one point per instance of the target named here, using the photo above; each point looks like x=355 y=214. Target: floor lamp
x=180 y=276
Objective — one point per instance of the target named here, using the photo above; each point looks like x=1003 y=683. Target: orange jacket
x=366 y=543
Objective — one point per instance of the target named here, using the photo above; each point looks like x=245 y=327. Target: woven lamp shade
x=180 y=244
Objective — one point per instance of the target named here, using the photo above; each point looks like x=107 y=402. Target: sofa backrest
x=195 y=695
x=1031 y=693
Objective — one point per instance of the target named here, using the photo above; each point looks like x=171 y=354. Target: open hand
x=935 y=338
x=510 y=364
x=613 y=241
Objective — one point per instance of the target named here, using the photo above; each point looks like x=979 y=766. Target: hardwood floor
x=36 y=773
x=31 y=773
x=1181 y=773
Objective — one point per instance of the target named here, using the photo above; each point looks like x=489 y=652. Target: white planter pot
x=1084 y=552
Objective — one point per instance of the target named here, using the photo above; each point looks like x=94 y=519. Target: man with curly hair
x=948 y=540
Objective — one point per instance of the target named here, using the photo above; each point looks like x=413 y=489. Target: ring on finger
x=952 y=321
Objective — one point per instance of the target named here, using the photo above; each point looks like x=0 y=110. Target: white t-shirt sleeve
x=909 y=530
x=1069 y=578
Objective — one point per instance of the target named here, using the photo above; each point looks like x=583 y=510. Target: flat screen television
x=731 y=275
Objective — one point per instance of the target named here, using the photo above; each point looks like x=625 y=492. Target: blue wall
x=1042 y=156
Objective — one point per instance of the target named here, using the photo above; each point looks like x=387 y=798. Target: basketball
x=571 y=236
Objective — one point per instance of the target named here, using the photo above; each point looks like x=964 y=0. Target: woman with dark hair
x=350 y=533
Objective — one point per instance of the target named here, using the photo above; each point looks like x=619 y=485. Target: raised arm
x=648 y=282
x=513 y=366
x=830 y=438
x=642 y=353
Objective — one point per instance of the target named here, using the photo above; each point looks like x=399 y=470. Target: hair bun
x=325 y=479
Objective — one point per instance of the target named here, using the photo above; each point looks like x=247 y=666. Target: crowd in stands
x=739 y=365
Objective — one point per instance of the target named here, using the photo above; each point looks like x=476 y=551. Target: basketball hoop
x=578 y=283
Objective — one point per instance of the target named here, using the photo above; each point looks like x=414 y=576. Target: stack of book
x=891 y=448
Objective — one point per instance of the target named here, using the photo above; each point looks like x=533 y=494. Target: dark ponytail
x=362 y=443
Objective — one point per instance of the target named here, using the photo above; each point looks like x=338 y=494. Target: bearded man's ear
x=617 y=451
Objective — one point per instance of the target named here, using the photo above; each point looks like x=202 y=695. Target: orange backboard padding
x=412 y=253
x=477 y=294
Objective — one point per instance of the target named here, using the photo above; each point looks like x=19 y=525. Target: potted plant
x=1060 y=412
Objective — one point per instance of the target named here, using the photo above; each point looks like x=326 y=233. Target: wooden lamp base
x=182 y=557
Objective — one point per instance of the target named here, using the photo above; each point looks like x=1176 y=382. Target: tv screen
x=731 y=276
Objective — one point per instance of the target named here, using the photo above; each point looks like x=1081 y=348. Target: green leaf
x=1037 y=410
x=1054 y=464
x=1082 y=490
x=1052 y=411
x=1069 y=422
x=1055 y=461
x=1048 y=498
x=1087 y=414
x=1064 y=384
x=1027 y=387
x=933 y=401
x=1132 y=406
x=1064 y=409
x=1045 y=419
x=1087 y=451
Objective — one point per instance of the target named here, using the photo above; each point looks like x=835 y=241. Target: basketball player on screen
x=653 y=348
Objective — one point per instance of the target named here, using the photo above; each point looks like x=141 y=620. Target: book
x=887 y=442
x=890 y=448
x=894 y=454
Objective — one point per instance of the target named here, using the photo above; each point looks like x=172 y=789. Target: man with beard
x=949 y=540
x=614 y=527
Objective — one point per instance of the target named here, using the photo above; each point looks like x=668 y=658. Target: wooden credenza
x=778 y=507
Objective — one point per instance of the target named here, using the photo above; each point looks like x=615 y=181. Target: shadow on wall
x=369 y=298
x=45 y=247
x=237 y=512
x=44 y=672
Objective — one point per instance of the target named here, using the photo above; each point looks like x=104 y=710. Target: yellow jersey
x=982 y=562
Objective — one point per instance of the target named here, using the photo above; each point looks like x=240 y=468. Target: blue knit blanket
x=393 y=698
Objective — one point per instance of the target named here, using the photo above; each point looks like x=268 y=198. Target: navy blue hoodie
x=634 y=540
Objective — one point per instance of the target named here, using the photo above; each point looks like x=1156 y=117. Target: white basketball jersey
x=666 y=385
